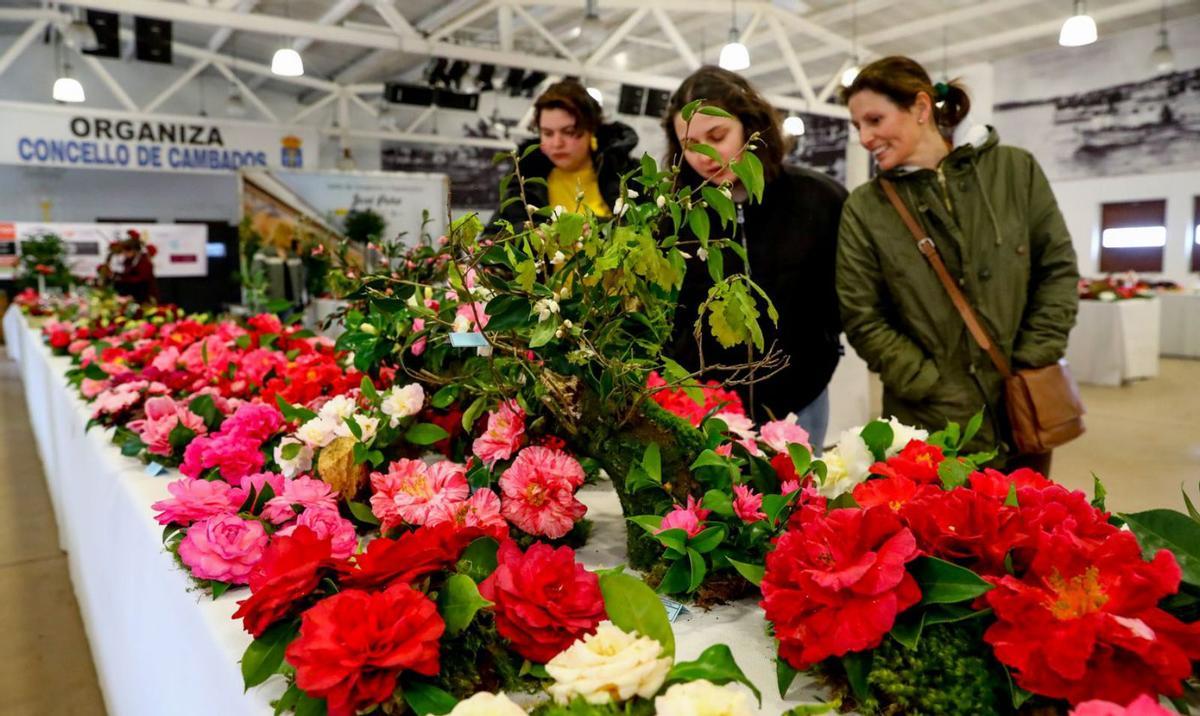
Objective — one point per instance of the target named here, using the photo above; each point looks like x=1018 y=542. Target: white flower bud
x=702 y=253
x=661 y=200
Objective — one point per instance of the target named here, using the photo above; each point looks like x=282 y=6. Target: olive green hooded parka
x=991 y=213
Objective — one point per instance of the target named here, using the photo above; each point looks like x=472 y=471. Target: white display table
x=161 y=648
x=1180 y=325
x=1114 y=342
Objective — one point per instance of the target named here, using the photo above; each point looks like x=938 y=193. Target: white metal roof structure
x=799 y=48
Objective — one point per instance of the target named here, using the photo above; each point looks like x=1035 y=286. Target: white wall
x=1080 y=202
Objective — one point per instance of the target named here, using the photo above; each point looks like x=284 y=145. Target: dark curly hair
x=734 y=94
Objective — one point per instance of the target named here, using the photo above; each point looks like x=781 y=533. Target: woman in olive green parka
x=990 y=211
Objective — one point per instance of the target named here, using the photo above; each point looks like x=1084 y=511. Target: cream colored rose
x=702 y=698
x=487 y=704
x=610 y=665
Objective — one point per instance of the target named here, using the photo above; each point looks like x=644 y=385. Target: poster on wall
x=822 y=147
x=45 y=135
x=402 y=199
x=1103 y=110
x=179 y=249
x=474 y=178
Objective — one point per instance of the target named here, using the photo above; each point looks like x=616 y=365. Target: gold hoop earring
x=595 y=144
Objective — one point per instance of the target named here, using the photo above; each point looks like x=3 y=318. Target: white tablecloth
x=1114 y=342
x=1180 y=325
x=160 y=648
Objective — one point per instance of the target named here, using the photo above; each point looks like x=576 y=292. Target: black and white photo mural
x=1105 y=109
x=822 y=146
x=474 y=177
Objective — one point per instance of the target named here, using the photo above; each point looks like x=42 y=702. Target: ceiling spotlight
x=80 y=35
x=793 y=126
x=287 y=63
x=850 y=74
x=1162 y=59
x=68 y=89
x=596 y=95
x=734 y=55
x=1079 y=29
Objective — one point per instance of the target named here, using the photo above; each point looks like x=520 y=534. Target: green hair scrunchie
x=941 y=91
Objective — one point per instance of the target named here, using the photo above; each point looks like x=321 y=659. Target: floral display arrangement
x=1123 y=287
x=43 y=263
x=397 y=512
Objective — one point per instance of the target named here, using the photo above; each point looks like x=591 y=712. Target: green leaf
x=689 y=109
x=652 y=462
x=708 y=151
x=180 y=436
x=816 y=709
x=264 y=656
x=801 y=458
x=973 y=426
x=953 y=473
x=355 y=428
x=204 y=407
x=774 y=505
x=1188 y=502
x=507 y=312
x=1170 y=530
x=637 y=480
x=649 y=166
x=1099 y=494
x=718 y=501
x=290 y=451
x=362 y=512
x=650 y=523
x=709 y=458
x=459 y=601
x=674 y=538
x=708 y=539
x=445 y=396
x=713 y=111
x=878 y=436
x=634 y=607
x=749 y=170
x=542 y=333
x=472 y=413
x=425 y=434
x=676 y=579
x=94 y=371
x=309 y=706
x=1011 y=499
x=858 y=666
x=908 y=627
x=720 y=203
x=715 y=664
x=697 y=219
x=368 y=389
x=785 y=674
x=1019 y=695
x=699 y=569
x=752 y=572
x=426 y=699
x=478 y=560
x=292 y=413
x=952 y=613
x=715 y=264
x=943 y=582
x=218 y=588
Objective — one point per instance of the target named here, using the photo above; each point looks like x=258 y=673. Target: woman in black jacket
x=790 y=238
x=580 y=158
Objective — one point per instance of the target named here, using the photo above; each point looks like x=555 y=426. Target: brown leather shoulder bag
x=1044 y=408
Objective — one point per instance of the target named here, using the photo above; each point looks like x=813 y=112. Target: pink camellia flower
x=304 y=491
x=481 y=510
x=197 y=500
x=778 y=434
x=258 y=363
x=539 y=492
x=223 y=548
x=1141 y=706
x=327 y=524
x=76 y=347
x=688 y=518
x=418 y=347
x=257 y=421
x=91 y=388
x=233 y=455
x=167 y=360
x=473 y=315
x=504 y=434
x=258 y=480
x=115 y=400
x=738 y=424
x=163 y=415
x=747 y=504
x=411 y=492
x=208 y=357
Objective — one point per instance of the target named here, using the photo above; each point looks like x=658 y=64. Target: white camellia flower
x=402 y=402
x=337 y=409
x=545 y=308
x=317 y=432
x=487 y=704
x=462 y=323
x=610 y=665
x=846 y=465
x=300 y=464
x=702 y=698
x=366 y=424
x=903 y=434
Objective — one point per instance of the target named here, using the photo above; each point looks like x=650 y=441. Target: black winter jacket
x=614 y=142
x=791 y=241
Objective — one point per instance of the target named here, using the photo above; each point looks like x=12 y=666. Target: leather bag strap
x=929 y=250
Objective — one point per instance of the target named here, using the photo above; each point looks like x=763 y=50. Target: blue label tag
x=674 y=609
x=473 y=339
x=154 y=469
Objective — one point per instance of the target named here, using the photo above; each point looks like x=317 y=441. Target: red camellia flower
x=918 y=461
x=410 y=556
x=891 y=492
x=784 y=468
x=544 y=599
x=289 y=570
x=353 y=645
x=1084 y=622
x=966 y=527
x=1056 y=507
x=995 y=484
x=835 y=583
